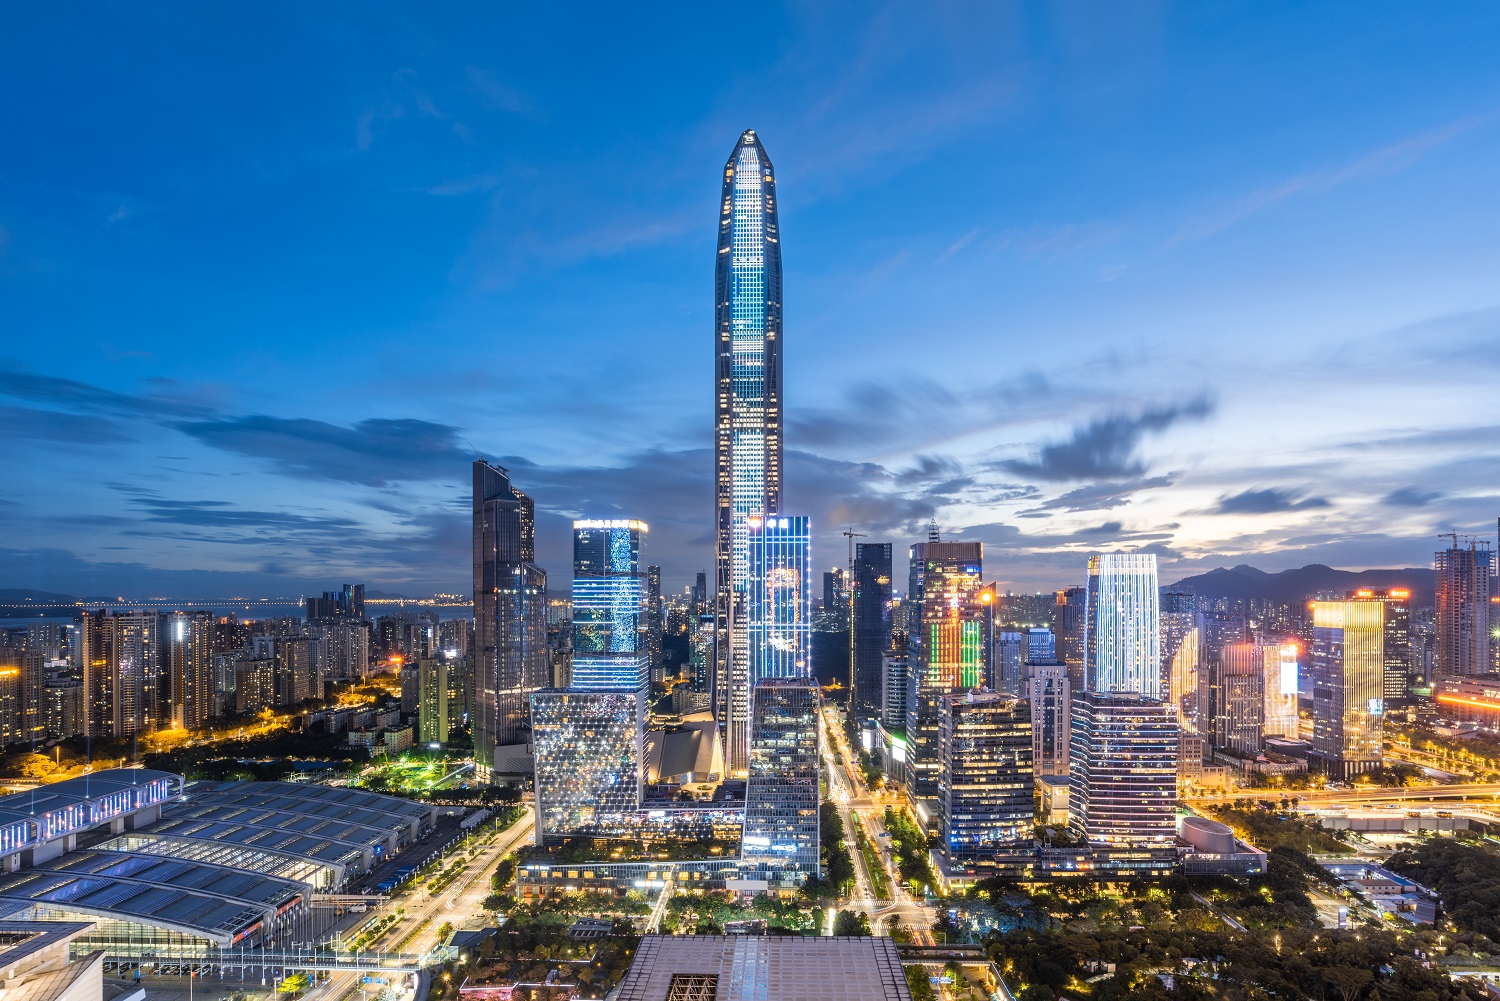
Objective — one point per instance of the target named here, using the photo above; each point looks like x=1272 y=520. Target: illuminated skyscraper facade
x=610 y=612
x=190 y=668
x=1463 y=585
x=747 y=408
x=1348 y=669
x=986 y=786
x=1123 y=787
x=949 y=647
x=1237 y=702
x=870 y=625
x=1280 y=690
x=778 y=599
x=1181 y=653
x=120 y=655
x=1122 y=638
x=510 y=622
x=588 y=761
x=781 y=794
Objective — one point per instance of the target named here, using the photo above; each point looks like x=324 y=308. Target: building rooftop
x=217 y=902
x=762 y=968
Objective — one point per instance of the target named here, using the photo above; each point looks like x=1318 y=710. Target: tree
x=851 y=923
x=292 y=983
x=1349 y=981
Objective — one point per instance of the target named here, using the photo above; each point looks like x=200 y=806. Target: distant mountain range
x=1291 y=586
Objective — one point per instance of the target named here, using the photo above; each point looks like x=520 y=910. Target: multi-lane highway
x=1358 y=796
x=847 y=790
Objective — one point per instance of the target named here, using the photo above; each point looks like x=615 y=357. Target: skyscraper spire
x=747 y=410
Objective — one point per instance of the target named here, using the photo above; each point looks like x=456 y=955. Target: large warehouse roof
x=211 y=901
x=352 y=806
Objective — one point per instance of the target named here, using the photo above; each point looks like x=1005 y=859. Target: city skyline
x=1087 y=299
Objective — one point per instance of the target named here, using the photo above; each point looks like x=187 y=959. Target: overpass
x=1373 y=794
x=303 y=960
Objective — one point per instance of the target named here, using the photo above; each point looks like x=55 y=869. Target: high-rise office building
x=870 y=628
x=778 y=601
x=610 y=609
x=433 y=687
x=655 y=620
x=986 y=785
x=510 y=620
x=587 y=759
x=190 y=668
x=1123 y=779
x=1007 y=662
x=747 y=408
x=120 y=656
x=1069 y=618
x=1280 y=688
x=781 y=792
x=893 y=689
x=1464 y=582
x=949 y=647
x=1050 y=695
x=1122 y=638
x=1397 y=618
x=1348 y=669
x=1181 y=653
x=1237 y=701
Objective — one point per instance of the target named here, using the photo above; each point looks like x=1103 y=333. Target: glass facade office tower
x=747 y=407
x=1463 y=585
x=190 y=668
x=1050 y=694
x=1122 y=638
x=510 y=621
x=986 y=785
x=1123 y=781
x=781 y=793
x=1181 y=653
x=1281 y=691
x=1348 y=668
x=610 y=610
x=588 y=753
x=1237 y=697
x=1397 y=642
x=778 y=602
x=1068 y=618
x=870 y=626
x=948 y=647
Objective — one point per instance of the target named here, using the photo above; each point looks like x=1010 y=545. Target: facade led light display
x=1348 y=671
x=747 y=406
x=609 y=604
x=778 y=597
x=1122 y=638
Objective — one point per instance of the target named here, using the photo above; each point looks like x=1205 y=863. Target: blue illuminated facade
x=609 y=594
x=781 y=795
x=778 y=598
x=747 y=410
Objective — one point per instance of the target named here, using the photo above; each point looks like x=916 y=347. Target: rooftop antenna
x=932 y=532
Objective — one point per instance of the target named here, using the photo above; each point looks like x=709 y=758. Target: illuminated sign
x=631 y=524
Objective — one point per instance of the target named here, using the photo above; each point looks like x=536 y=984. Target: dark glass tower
x=747 y=411
x=870 y=629
x=510 y=620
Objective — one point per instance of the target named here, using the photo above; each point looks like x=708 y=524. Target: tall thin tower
x=747 y=412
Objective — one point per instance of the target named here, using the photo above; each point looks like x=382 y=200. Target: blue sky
x=1219 y=280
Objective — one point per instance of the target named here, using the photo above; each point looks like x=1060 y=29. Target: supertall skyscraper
x=747 y=408
x=1463 y=585
x=609 y=606
x=870 y=628
x=510 y=621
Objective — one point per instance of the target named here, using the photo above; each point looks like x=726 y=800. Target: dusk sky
x=1221 y=281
